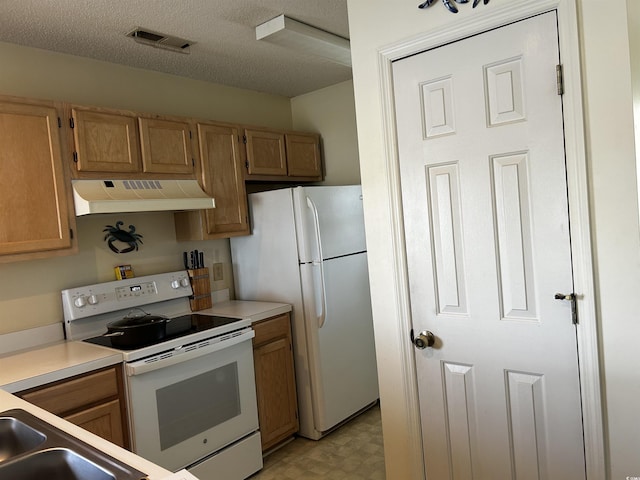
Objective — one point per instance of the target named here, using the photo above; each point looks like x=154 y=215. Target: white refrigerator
x=307 y=248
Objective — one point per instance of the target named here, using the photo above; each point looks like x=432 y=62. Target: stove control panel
x=90 y=300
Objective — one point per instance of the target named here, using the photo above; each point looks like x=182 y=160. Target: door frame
x=577 y=185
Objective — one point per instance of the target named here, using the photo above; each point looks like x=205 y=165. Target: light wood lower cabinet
x=275 y=380
x=93 y=401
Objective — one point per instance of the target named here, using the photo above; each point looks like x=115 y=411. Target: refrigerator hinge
x=559 y=80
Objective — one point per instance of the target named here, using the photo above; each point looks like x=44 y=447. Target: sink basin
x=17 y=437
x=33 y=449
x=54 y=464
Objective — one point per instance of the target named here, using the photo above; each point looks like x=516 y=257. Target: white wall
x=332 y=112
x=375 y=24
x=611 y=155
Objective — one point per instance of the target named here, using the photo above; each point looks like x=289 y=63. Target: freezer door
x=329 y=221
x=341 y=352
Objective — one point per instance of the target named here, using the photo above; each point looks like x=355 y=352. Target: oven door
x=186 y=406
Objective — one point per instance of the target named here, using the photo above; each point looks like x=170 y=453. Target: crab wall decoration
x=114 y=234
x=450 y=4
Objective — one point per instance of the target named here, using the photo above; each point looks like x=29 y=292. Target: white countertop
x=32 y=368
x=243 y=309
x=38 y=366
x=8 y=401
x=49 y=363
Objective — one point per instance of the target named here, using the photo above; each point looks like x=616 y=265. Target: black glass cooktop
x=176 y=327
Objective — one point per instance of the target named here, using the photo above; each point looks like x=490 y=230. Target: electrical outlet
x=217 y=272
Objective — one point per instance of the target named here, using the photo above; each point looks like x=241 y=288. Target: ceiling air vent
x=160 y=40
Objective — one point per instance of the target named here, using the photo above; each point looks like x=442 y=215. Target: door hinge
x=75 y=157
x=71 y=233
x=559 y=80
x=72 y=124
x=59 y=122
x=244 y=139
x=190 y=136
x=193 y=162
x=246 y=164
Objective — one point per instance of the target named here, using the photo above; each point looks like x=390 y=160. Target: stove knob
x=175 y=284
x=184 y=282
x=92 y=299
x=80 y=302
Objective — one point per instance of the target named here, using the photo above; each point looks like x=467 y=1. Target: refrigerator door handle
x=318 y=263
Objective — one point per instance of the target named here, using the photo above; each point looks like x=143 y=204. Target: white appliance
x=308 y=249
x=190 y=395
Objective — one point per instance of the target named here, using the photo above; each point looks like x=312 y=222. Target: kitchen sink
x=32 y=449
x=16 y=437
x=54 y=464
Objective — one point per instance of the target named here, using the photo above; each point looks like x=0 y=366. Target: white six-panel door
x=482 y=170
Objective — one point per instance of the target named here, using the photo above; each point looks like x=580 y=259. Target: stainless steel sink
x=16 y=437
x=32 y=449
x=54 y=464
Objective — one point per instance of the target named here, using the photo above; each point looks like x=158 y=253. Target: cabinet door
x=166 y=146
x=104 y=420
x=265 y=153
x=34 y=206
x=303 y=155
x=275 y=381
x=105 y=142
x=223 y=179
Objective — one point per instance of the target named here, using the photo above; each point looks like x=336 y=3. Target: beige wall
x=35 y=73
x=375 y=24
x=331 y=111
x=30 y=290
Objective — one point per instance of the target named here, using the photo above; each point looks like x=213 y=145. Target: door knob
x=424 y=339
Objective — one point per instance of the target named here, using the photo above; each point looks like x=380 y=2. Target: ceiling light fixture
x=287 y=32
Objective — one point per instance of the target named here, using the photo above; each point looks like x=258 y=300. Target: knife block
x=201 y=298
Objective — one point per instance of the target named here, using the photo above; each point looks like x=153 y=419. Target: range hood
x=123 y=196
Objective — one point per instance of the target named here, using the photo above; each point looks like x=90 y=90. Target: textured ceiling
x=225 y=49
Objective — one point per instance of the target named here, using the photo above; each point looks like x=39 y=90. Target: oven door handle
x=183 y=354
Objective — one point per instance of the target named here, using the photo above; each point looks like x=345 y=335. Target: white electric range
x=191 y=395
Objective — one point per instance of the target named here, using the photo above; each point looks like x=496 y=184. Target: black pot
x=137 y=331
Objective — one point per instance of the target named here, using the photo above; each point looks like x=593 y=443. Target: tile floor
x=353 y=452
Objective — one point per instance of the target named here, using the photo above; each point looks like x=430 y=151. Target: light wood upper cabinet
x=166 y=146
x=221 y=176
x=34 y=195
x=126 y=144
x=289 y=156
x=275 y=380
x=265 y=152
x=303 y=155
x=105 y=142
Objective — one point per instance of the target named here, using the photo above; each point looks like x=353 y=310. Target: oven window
x=197 y=404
